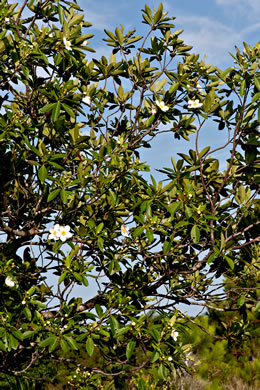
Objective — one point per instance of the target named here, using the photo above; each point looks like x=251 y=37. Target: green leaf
x=68 y=261
x=56 y=111
x=149 y=235
x=68 y=110
x=29 y=333
x=27 y=313
x=162 y=372
x=54 y=344
x=241 y=194
x=2 y=346
x=64 y=195
x=114 y=325
x=155 y=356
x=204 y=151
x=149 y=121
x=195 y=234
x=167 y=246
x=100 y=243
x=64 y=345
x=77 y=276
x=181 y=224
x=156 y=335
x=242 y=87
x=158 y=14
x=257 y=82
x=12 y=342
x=209 y=101
x=76 y=19
x=71 y=342
x=119 y=36
x=49 y=341
x=241 y=300
x=222 y=240
x=113 y=267
x=133 y=40
x=173 y=207
x=53 y=195
x=61 y=14
x=256 y=97
x=31 y=291
x=47 y=107
x=112 y=196
x=230 y=262
x=188 y=212
x=90 y=346
x=122 y=331
x=100 y=227
x=173 y=88
x=99 y=310
x=62 y=277
x=257 y=308
x=130 y=349
x=110 y=34
x=42 y=173
x=84 y=281
x=225 y=73
x=17 y=334
x=138 y=231
x=213 y=256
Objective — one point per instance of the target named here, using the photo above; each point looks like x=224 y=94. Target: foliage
x=222 y=363
x=77 y=211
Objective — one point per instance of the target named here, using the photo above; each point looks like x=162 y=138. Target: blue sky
x=212 y=27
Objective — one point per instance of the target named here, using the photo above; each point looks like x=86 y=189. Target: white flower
x=174 y=334
x=85 y=43
x=86 y=99
x=67 y=44
x=7 y=20
x=200 y=89
x=64 y=233
x=9 y=281
x=59 y=232
x=23 y=302
x=154 y=110
x=54 y=233
x=162 y=105
x=125 y=230
x=194 y=104
x=170 y=358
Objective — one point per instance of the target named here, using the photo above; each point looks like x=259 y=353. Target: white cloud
x=247 y=8
x=252 y=28
x=208 y=37
x=216 y=36
x=99 y=20
x=100 y=16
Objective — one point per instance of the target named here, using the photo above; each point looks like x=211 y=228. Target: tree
x=75 y=205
